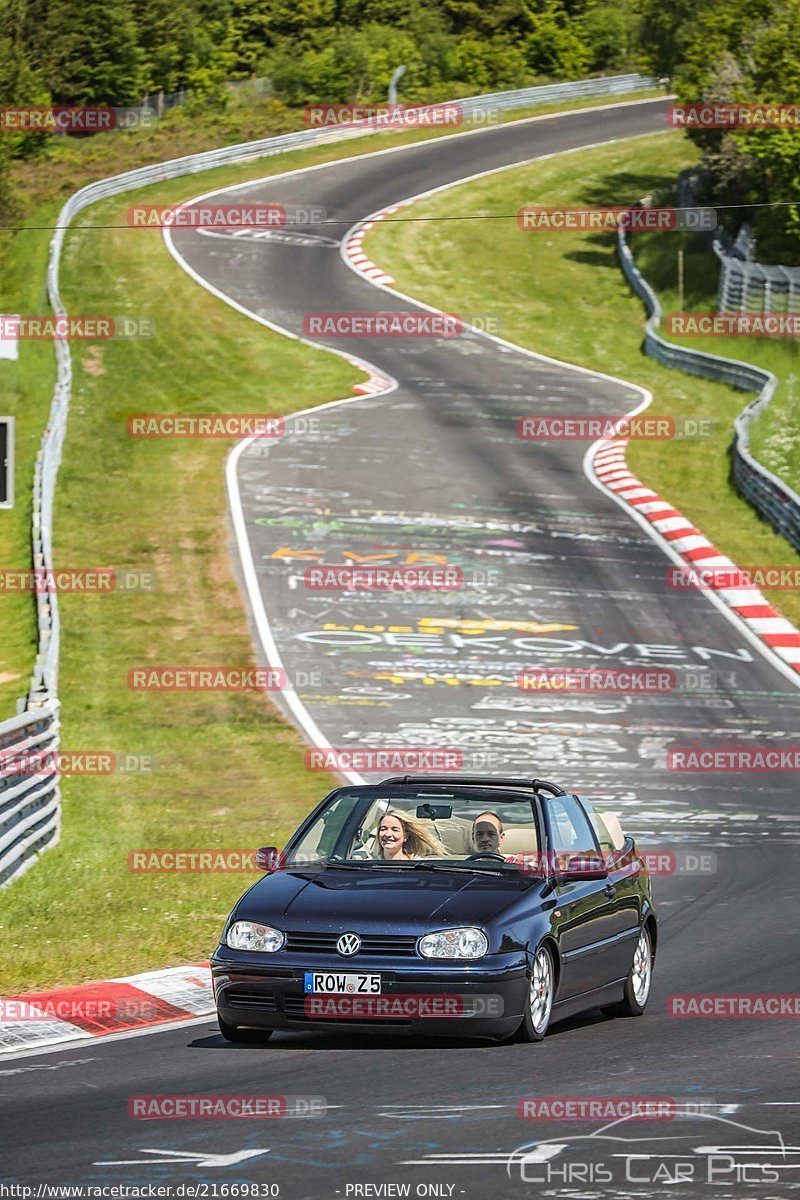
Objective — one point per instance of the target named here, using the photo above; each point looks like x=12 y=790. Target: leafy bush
x=746 y=51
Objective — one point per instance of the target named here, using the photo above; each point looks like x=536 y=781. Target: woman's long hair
x=418 y=839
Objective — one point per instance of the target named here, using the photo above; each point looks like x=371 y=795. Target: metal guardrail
x=772 y=498
x=30 y=801
x=28 y=829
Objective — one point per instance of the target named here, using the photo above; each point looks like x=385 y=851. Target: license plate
x=342 y=984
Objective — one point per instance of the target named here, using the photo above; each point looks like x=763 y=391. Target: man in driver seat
x=487 y=833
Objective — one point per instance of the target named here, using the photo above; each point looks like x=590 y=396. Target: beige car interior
x=456 y=835
x=616 y=838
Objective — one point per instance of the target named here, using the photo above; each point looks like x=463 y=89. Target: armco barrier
x=776 y=502
x=30 y=804
x=16 y=853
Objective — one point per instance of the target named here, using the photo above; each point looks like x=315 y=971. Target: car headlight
x=454 y=943
x=246 y=935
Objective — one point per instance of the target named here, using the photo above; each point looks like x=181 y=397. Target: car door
x=585 y=918
x=624 y=918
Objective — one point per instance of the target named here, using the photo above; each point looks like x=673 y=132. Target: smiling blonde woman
x=401 y=835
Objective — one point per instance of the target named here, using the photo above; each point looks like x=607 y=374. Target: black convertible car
x=459 y=905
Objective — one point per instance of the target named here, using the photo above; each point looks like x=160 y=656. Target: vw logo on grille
x=349 y=944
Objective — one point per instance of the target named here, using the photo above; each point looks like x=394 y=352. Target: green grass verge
x=564 y=295
x=26 y=387
x=229 y=770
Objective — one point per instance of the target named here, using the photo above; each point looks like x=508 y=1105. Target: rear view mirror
x=435 y=812
x=584 y=866
x=267 y=858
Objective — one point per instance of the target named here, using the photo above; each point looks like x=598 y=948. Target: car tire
x=639 y=980
x=539 y=999
x=233 y=1033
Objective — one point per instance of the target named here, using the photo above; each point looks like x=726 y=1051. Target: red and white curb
x=353 y=248
x=353 y=251
x=374 y=385
x=749 y=604
x=112 y=1006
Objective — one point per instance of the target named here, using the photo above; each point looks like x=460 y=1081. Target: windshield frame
x=406 y=795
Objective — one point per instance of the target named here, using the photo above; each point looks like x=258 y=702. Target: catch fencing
x=745 y=285
x=748 y=286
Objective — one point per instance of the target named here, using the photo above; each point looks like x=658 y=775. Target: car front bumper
x=484 y=999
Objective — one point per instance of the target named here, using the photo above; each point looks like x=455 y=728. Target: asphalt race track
x=555 y=574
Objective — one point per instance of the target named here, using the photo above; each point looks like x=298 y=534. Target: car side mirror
x=584 y=866
x=267 y=858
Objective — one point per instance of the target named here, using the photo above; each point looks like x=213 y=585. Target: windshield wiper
x=348 y=866
x=322 y=864
x=404 y=865
x=416 y=865
x=495 y=868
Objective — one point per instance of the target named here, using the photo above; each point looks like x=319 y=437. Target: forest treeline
x=113 y=52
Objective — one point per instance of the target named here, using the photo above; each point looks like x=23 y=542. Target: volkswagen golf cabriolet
x=459 y=905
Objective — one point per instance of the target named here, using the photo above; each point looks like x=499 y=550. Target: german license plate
x=334 y=982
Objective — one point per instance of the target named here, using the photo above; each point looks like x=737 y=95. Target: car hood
x=403 y=898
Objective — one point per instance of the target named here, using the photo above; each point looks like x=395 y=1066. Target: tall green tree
x=746 y=51
x=20 y=87
x=89 y=54
x=169 y=37
x=554 y=45
x=260 y=25
x=611 y=31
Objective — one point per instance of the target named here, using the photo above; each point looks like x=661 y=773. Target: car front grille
x=325 y=943
x=294 y=1007
x=245 y=998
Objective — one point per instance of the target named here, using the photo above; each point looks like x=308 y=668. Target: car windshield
x=408 y=827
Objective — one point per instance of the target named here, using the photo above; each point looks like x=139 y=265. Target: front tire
x=539 y=1001
x=640 y=977
x=233 y=1033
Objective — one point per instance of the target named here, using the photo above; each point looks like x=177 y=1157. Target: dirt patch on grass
x=92 y=361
